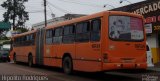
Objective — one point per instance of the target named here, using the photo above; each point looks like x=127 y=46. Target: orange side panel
x=87 y=66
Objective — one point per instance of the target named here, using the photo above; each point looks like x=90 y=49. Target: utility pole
x=14 y=13
x=45 y=13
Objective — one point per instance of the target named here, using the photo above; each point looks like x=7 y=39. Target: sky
x=61 y=7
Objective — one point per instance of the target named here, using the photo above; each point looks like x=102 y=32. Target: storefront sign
x=150 y=10
x=148 y=28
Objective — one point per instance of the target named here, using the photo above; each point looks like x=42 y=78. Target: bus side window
x=82 y=32
x=19 y=41
x=95 y=29
x=58 y=35
x=49 y=36
x=68 y=35
x=23 y=41
x=27 y=40
x=14 y=42
x=33 y=38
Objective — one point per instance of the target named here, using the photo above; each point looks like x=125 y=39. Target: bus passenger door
x=39 y=46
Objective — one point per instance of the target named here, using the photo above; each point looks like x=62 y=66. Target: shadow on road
x=107 y=76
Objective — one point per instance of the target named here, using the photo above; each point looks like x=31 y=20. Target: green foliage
x=7 y=42
x=15 y=11
x=4 y=38
x=20 y=29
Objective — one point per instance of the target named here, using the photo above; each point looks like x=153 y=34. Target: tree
x=22 y=30
x=16 y=12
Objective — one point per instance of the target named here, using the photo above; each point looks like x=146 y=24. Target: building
x=150 y=9
x=56 y=20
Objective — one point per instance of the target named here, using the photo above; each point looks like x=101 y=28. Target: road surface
x=19 y=72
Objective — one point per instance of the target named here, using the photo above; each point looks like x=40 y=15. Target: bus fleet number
x=95 y=45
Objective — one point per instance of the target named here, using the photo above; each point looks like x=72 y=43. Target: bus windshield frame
x=128 y=26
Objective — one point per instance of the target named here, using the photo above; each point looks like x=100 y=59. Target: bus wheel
x=67 y=65
x=8 y=59
x=30 y=60
x=14 y=59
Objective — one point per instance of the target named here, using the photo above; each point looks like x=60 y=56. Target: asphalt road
x=21 y=72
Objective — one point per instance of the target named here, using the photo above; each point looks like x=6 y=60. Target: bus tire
x=67 y=65
x=8 y=59
x=30 y=60
x=15 y=58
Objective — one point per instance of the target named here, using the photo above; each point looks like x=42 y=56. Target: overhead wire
x=51 y=11
x=60 y=9
x=38 y=11
x=92 y=5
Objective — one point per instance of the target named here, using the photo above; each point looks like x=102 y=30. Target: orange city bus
x=108 y=40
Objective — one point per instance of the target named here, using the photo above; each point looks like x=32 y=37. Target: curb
x=154 y=69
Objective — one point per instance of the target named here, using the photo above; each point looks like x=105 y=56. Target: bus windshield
x=125 y=28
